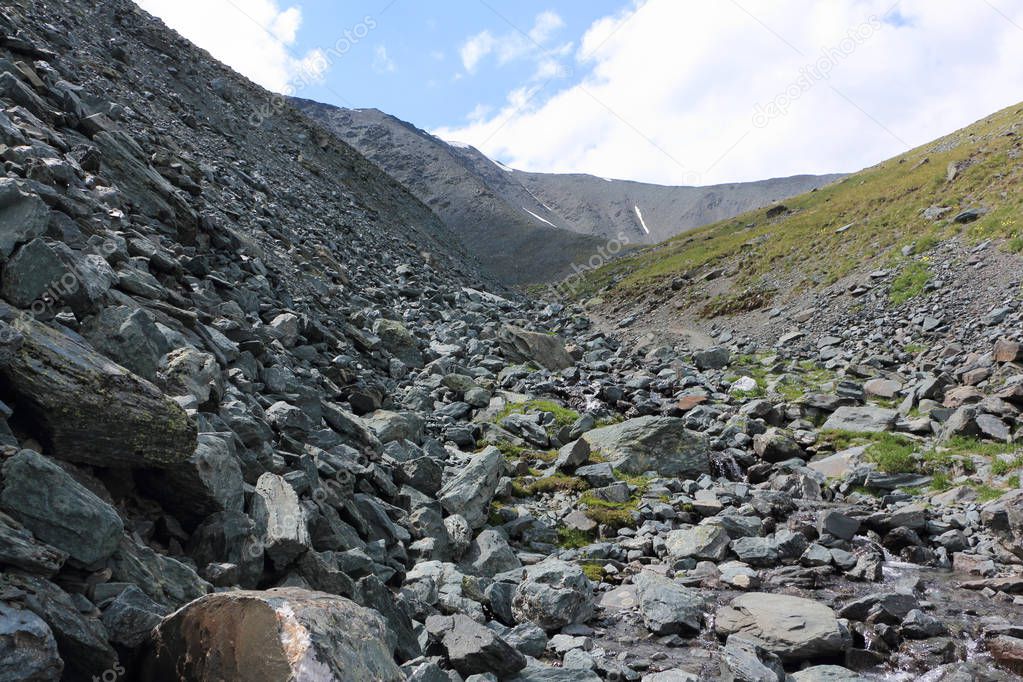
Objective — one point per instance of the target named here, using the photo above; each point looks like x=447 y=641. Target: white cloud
x=382 y=62
x=258 y=45
x=475 y=49
x=679 y=92
x=514 y=45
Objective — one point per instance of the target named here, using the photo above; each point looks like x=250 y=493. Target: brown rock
x=1008 y=651
x=274 y=635
x=1007 y=351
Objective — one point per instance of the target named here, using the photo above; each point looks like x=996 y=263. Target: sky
x=663 y=91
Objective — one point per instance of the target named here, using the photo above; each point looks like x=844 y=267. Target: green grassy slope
x=882 y=206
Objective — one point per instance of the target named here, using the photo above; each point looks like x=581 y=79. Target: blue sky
x=422 y=78
x=664 y=91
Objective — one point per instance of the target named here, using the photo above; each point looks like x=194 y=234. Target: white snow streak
x=538 y=217
x=639 y=214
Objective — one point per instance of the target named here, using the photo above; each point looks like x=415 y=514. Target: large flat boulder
x=861 y=419
x=790 y=627
x=661 y=444
x=280 y=634
x=85 y=408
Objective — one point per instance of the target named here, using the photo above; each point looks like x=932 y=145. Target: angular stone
x=475 y=649
x=131 y=617
x=280 y=519
x=1007 y=351
x=667 y=607
x=59 y=510
x=166 y=580
x=209 y=482
x=28 y=650
x=861 y=419
x=837 y=524
x=524 y=346
x=712 y=358
x=399 y=342
x=572 y=455
x=553 y=594
x=23 y=216
x=703 y=543
x=661 y=444
x=88 y=409
x=34 y=277
x=20 y=549
x=277 y=634
x=470 y=492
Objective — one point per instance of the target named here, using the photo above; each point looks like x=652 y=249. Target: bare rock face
x=283 y=634
x=87 y=409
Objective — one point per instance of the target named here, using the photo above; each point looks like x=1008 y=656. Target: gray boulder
x=209 y=482
x=476 y=649
x=553 y=594
x=712 y=358
x=661 y=444
x=470 y=492
x=277 y=634
x=280 y=519
x=703 y=543
x=28 y=650
x=20 y=549
x=399 y=342
x=59 y=510
x=23 y=216
x=88 y=409
x=545 y=350
x=861 y=419
x=166 y=580
x=131 y=617
x=790 y=627
x=667 y=607
x=34 y=273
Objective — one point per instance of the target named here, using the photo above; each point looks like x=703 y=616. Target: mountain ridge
x=506 y=216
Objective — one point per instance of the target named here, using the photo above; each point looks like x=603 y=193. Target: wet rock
x=59 y=510
x=790 y=627
x=1008 y=652
x=282 y=633
x=661 y=444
